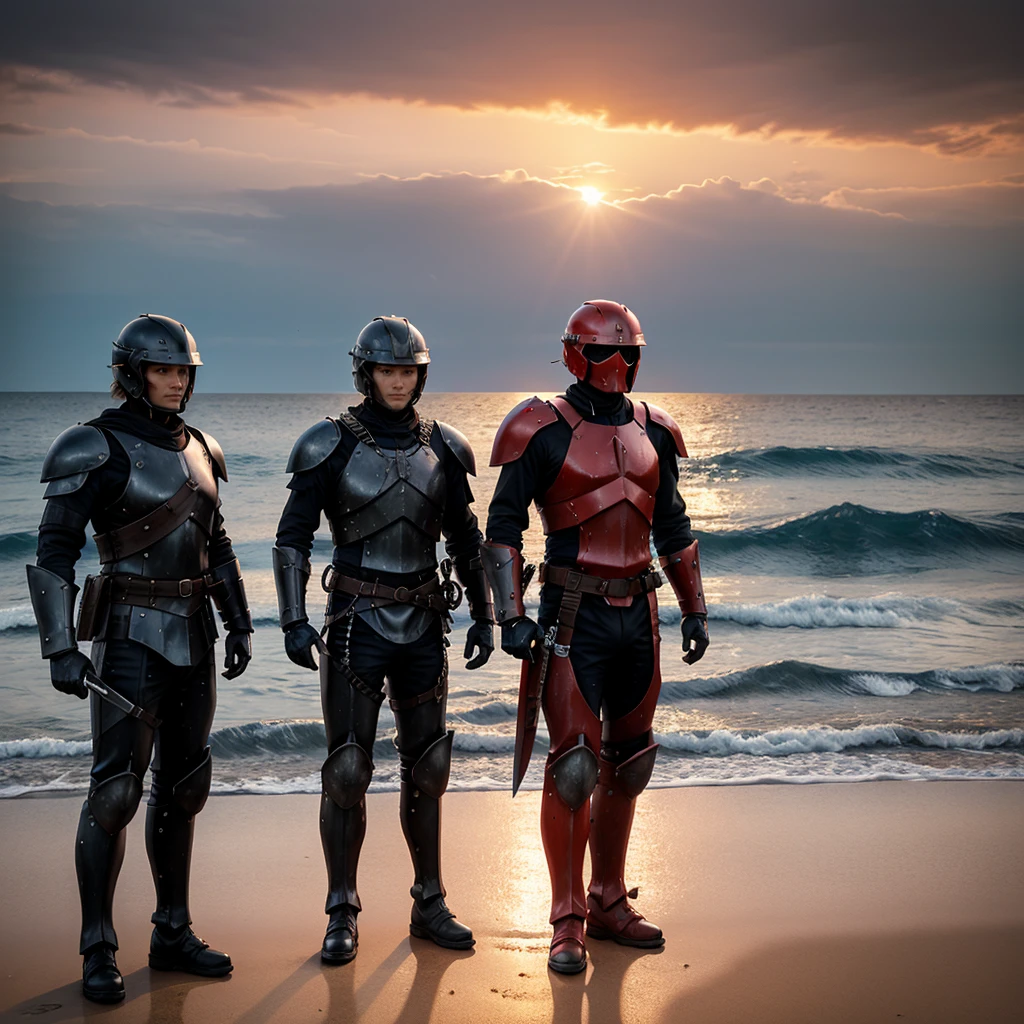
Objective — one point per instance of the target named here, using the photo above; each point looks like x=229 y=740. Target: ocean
x=863 y=561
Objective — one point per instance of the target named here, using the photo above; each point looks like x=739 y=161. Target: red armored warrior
x=603 y=473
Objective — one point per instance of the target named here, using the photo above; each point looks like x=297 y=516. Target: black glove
x=481 y=636
x=695 y=638
x=237 y=654
x=299 y=641
x=520 y=636
x=67 y=673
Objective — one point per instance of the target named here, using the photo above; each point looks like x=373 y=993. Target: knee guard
x=346 y=775
x=430 y=773
x=190 y=793
x=113 y=803
x=634 y=773
x=575 y=775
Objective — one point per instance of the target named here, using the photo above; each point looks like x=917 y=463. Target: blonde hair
x=117 y=392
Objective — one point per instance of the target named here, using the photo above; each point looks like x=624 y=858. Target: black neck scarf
x=164 y=429
x=391 y=428
x=587 y=399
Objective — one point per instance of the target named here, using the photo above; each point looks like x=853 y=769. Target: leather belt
x=143 y=593
x=427 y=595
x=574 y=580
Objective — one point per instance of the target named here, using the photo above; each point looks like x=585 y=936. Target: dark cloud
x=737 y=289
x=942 y=74
x=10 y=128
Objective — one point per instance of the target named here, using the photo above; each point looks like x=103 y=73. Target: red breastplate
x=606 y=488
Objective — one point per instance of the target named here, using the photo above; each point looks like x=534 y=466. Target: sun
x=590 y=195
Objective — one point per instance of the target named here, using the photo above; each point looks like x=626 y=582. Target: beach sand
x=858 y=902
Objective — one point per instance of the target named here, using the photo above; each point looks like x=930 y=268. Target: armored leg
x=609 y=915
x=121 y=752
x=569 y=779
x=351 y=705
x=627 y=760
x=425 y=750
x=182 y=772
x=99 y=853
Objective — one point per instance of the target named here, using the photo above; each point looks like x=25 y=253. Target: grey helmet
x=151 y=338
x=388 y=341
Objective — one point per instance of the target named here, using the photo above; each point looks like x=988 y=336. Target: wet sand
x=856 y=902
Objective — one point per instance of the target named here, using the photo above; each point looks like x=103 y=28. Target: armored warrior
x=391 y=483
x=603 y=473
x=149 y=485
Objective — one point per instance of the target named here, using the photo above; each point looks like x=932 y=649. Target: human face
x=394 y=385
x=166 y=386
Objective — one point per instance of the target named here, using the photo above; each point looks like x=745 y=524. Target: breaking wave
x=850 y=539
x=782 y=461
x=804 y=677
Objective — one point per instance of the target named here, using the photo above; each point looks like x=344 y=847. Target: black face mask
x=599 y=353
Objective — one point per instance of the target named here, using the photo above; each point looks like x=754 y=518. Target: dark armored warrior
x=603 y=473
x=390 y=483
x=149 y=485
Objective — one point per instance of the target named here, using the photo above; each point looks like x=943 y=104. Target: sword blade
x=100 y=688
x=531 y=687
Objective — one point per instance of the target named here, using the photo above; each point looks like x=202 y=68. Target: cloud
x=987 y=202
x=945 y=76
x=10 y=128
x=737 y=289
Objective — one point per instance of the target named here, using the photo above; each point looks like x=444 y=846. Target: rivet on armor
x=139 y=464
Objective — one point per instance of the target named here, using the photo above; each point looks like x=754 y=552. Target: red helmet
x=616 y=332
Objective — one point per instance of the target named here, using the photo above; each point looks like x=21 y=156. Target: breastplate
x=172 y=626
x=606 y=490
x=391 y=501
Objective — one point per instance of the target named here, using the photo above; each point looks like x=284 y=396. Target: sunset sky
x=798 y=195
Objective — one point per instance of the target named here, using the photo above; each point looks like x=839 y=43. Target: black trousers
x=184 y=698
x=416 y=678
x=612 y=652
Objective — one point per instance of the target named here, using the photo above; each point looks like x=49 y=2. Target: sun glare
x=590 y=195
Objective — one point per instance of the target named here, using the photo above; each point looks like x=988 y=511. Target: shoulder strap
x=426 y=428
x=361 y=433
x=145 y=532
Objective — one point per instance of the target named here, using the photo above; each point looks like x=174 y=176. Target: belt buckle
x=561 y=650
x=402 y=594
x=184 y=588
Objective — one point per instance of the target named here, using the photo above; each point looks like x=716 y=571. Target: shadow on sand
x=167 y=994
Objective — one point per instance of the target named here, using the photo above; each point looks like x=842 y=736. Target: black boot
x=342 y=938
x=431 y=919
x=182 y=950
x=101 y=980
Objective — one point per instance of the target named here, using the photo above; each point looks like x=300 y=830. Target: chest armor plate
x=172 y=626
x=391 y=501
x=606 y=490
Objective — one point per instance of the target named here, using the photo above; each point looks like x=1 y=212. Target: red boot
x=568 y=954
x=622 y=924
